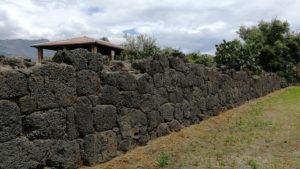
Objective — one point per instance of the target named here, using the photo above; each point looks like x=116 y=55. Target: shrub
x=139 y=47
x=198 y=58
x=171 y=52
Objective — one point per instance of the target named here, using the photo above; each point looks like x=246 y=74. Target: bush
x=171 y=52
x=238 y=56
x=139 y=47
x=198 y=58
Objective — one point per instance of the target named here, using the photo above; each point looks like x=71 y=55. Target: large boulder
x=176 y=96
x=49 y=124
x=71 y=131
x=99 y=147
x=87 y=82
x=105 y=117
x=163 y=129
x=80 y=59
x=178 y=64
x=27 y=104
x=178 y=113
x=167 y=111
x=161 y=95
x=154 y=119
x=10 y=120
x=15 y=62
x=18 y=154
x=171 y=80
x=132 y=123
x=131 y=99
x=150 y=66
x=145 y=84
x=110 y=95
x=149 y=102
x=122 y=80
x=13 y=84
x=83 y=116
x=64 y=155
x=158 y=80
x=53 y=85
x=174 y=125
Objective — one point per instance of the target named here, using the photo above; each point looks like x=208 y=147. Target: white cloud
x=187 y=24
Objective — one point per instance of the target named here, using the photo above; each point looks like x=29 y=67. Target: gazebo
x=91 y=44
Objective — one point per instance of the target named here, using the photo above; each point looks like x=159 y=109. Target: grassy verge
x=264 y=133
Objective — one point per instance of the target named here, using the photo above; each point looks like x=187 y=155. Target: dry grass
x=261 y=134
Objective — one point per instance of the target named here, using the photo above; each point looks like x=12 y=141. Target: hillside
x=21 y=47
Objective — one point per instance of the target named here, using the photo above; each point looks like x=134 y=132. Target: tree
x=171 y=52
x=270 y=39
x=198 y=58
x=234 y=54
x=140 y=46
x=105 y=39
x=269 y=45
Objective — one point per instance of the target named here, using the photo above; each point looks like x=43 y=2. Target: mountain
x=21 y=47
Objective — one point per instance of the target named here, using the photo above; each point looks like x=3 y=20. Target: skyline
x=186 y=25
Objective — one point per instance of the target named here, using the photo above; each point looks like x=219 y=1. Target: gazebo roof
x=76 y=42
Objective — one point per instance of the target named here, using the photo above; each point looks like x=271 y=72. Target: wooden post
x=94 y=49
x=40 y=54
x=112 y=55
x=65 y=49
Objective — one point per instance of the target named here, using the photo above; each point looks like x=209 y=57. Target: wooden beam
x=40 y=54
x=94 y=49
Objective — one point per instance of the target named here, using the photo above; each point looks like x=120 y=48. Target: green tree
x=234 y=54
x=140 y=46
x=171 y=52
x=198 y=58
x=279 y=47
x=269 y=45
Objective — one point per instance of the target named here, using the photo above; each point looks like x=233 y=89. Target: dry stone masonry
x=77 y=111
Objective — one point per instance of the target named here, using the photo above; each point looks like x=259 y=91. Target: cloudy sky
x=189 y=25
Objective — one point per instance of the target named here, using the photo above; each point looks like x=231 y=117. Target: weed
x=163 y=159
x=230 y=140
x=252 y=163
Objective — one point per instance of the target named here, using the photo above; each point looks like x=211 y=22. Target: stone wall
x=81 y=112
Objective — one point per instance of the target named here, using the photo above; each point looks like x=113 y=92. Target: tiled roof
x=78 y=41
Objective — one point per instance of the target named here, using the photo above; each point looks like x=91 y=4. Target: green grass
x=252 y=163
x=163 y=159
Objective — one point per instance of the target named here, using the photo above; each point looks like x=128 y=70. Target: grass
x=261 y=134
x=252 y=163
x=163 y=159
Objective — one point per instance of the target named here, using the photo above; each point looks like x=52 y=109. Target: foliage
x=252 y=163
x=234 y=54
x=48 y=58
x=105 y=39
x=170 y=52
x=198 y=58
x=269 y=45
x=140 y=46
x=163 y=159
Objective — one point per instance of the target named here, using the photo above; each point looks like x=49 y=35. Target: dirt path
x=264 y=133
